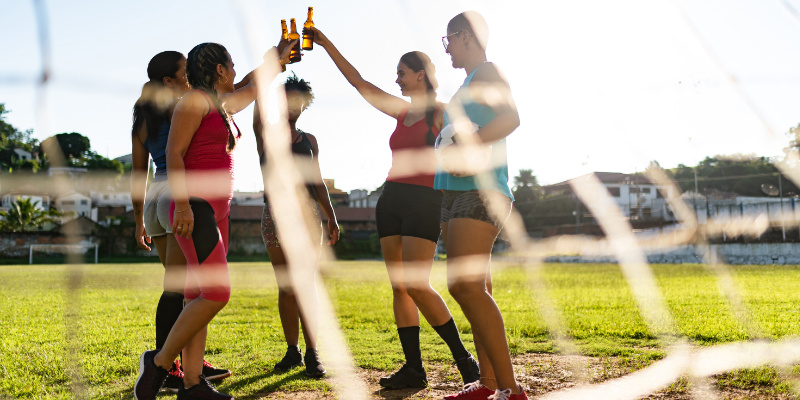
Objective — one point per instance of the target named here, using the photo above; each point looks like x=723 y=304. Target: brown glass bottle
x=294 y=55
x=308 y=34
x=284 y=40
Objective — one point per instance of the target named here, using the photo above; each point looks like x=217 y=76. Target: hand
x=319 y=37
x=142 y=237
x=183 y=221
x=333 y=228
x=284 y=58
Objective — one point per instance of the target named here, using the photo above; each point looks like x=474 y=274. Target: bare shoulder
x=313 y=140
x=193 y=101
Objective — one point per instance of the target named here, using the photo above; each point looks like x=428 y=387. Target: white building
x=637 y=196
x=363 y=198
x=74 y=205
x=41 y=202
x=110 y=198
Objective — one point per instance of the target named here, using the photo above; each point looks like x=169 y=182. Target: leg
x=417 y=261
x=170 y=304
x=405 y=311
x=406 y=316
x=469 y=244
x=287 y=302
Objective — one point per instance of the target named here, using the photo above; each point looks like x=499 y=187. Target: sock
x=409 y=340
x=449 y=333
x=169 y=308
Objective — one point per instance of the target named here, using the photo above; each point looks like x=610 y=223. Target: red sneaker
x=472 y=391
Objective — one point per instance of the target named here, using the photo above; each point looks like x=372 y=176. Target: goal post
x=67 y=249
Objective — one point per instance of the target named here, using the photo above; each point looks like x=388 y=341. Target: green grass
x=116 y=304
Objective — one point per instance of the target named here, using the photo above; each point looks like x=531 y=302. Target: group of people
x=183 y=121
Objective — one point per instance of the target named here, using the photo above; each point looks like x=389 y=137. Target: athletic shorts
x=409 y=210
x=206 y=250
x=270 y=234
x=472 y=204
x=156 y=209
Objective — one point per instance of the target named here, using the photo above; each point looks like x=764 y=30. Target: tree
x=74 y=145
x=745 y=175
x=527 y=194
x=12 y=138
x=24 y=216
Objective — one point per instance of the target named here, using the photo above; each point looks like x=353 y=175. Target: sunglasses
x=446 y=39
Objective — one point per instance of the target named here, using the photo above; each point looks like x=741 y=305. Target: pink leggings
x=207 y=249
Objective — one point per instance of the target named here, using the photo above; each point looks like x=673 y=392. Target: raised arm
x=323 y=198
x=141 y=165
x=490 y=87
x=386 y=103
x=247 y=90
x=186 y=119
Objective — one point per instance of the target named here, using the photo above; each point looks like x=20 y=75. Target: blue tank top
x=481 y=115
x=158 y=150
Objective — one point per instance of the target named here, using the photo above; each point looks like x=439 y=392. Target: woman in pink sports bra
x=200 y=172
x=408 y=211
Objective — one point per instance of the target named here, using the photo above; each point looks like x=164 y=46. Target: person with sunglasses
x=472 y=211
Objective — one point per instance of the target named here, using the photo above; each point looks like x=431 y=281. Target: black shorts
x=472 y=204
x=409 y=210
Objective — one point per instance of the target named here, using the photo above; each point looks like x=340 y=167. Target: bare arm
x=386 y=103
x=186 y=118
x=141 y=165
x=323 y=198
x=489 y=87
x=245 y=94
x=258 y=128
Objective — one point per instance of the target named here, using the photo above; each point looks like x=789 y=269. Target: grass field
x=116 y=303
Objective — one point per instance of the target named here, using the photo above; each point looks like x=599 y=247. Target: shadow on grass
x=397 y=393
x=268 y=388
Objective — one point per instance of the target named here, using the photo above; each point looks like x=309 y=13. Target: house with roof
x=637 y=196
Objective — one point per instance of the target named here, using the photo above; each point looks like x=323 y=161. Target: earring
x=222 y=83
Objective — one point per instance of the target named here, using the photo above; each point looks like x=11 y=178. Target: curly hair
x=152 y=107
x=201 y=72
x=301 y=85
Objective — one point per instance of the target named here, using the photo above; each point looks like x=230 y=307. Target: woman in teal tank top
x=469 y=225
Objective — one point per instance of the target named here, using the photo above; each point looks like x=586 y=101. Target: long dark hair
x=419 y=61
x=201 y=71
x=152 y=107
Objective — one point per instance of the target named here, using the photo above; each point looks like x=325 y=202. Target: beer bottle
x=308 y=34
x=284 y=40
x=294 y=55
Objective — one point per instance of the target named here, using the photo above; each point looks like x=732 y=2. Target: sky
x=600 y=85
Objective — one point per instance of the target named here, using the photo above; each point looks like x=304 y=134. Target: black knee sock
x=449 y=333
x=409 y=339
x=169 y=308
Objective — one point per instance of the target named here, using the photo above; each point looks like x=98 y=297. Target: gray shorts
x=156 y=209
x=472 y=204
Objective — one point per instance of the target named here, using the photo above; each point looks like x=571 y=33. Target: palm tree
x=525 y=179
x=24 y=216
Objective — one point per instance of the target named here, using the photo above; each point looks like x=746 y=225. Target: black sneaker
x=150 y=379
x=314 y=368
x=405 y=377
x=174 y=379
x=292 y=359
x=213 y=373
x=469 y=369
x=202 y=391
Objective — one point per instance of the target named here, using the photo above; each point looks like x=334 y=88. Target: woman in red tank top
x=408 y=211
x=200 y=173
